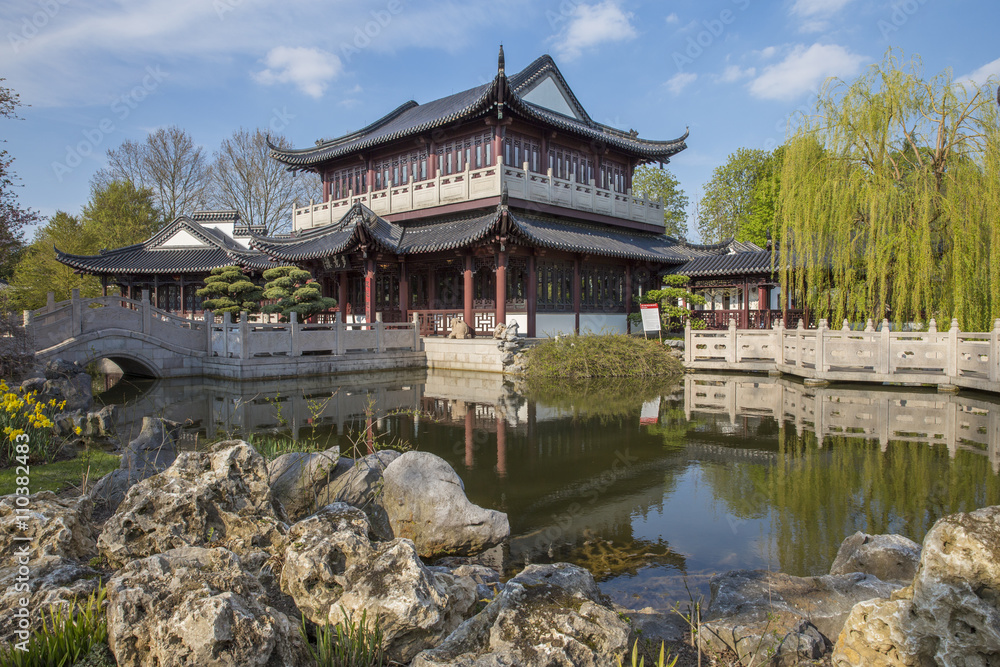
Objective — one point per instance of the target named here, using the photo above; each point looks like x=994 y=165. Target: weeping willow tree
x=890 y=200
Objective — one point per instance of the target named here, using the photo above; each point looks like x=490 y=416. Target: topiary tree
x=294 y=291
x=229 y=290
x=674 y=289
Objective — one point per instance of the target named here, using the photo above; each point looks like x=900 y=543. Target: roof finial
x=503 y=197
x=500 y=63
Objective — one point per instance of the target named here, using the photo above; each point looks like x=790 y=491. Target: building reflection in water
x=728 y=472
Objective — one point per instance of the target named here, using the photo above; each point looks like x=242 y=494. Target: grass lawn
x=62 y=475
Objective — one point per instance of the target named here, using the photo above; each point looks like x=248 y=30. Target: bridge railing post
x=688 y=347
x=821 y=363
x=884 y=353
x=147 y=313
x=50 y=302
x=953 y=351
x=295 y=330
x=994 y=372
x=76 y=308
x=227 y=321
x=732 y=353
x=244 y=335
x=415 y=323
x=379 y=333
x=209 y=322
x=779 y=349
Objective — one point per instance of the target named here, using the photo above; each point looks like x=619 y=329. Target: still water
x=654 y=486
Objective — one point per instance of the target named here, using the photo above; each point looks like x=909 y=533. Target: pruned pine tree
x=294 y=290
x=229 y=290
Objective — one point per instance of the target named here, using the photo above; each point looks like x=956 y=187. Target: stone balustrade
x=472 y=184
x=145 y=340
x=950 y=359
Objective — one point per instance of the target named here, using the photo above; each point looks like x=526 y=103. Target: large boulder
x=331 y=568
x=547 y=615
x=51 y=526
x=221 y=497
x=67 y=381
x=359 y=482
x=196 y=606
x=425 y=501
x=48 y=542
x=888 y=557
x=752 y=611
x=153 y=451
x=952 y=614
x=297 y=477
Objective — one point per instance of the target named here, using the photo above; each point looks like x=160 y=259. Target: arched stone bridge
x=148 y=342
x=142 y=340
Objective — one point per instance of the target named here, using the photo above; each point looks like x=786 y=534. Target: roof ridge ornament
x=500 y=61
x=503 y=198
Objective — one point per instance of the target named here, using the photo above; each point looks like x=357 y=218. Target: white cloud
x=980 y=76
x=734 y=73
x=591 y=25
x=309 y=69
x=818 y=7
x=803 y=69
x=816 y=12
x=91 y=53
x=678 y=82
x=767 y=53
x=672 y=18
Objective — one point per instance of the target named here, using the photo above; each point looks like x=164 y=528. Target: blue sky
x=99 y=72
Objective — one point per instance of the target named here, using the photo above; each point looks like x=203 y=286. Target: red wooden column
x=532 y=294
x=342 y=295
x=470 y=432
x=501 y=446
x=628 y=297
x=501 y=287
x=467 y=293
x=763 y=304
x=404 y=290
x=432 y=161
x=576 y=294
x=432 y=303
x=370 y=290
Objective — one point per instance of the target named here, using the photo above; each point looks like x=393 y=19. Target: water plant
x=637 y=661
x=594 y=356
x=66 y=635
x=349 y=643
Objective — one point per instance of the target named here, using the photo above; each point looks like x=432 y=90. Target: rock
x=54 y=526
x=546 y=615
x=460 y=330
x=100 y=425
x=510 y=332
x=53 y=581
x=511 y=347
x=222 y=497
x=752 y=610
x=803 y=643
x=297 y=477
x=196 y=606
x=952 y=615
x=425 y=501
x=331 y=568
x=888 y=557
x=153 y=451
x=499 y=331
x=360 y=483
x=58 y=369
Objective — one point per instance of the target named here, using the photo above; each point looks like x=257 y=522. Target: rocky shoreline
x=218 y=557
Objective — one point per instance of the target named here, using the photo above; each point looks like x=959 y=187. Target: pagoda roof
x=360 y=227
x=742 y=262
x=183 y=246
x=490 y=99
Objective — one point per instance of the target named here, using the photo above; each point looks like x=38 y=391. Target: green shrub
x=66 y=635
x=593 y=356
x=347 y=644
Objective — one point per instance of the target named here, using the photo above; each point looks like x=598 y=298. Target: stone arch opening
x=132 y=366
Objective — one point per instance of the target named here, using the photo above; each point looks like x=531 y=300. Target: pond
x=653 y=485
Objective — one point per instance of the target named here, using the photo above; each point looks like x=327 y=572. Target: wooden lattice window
x=348 y=181
x=602 y=288
x=571 y=165
x=555 y=286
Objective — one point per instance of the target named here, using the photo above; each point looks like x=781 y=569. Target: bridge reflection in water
x=654 y=486
x=959 y=422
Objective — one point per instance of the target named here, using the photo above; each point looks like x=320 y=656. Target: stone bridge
x=148 y=342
